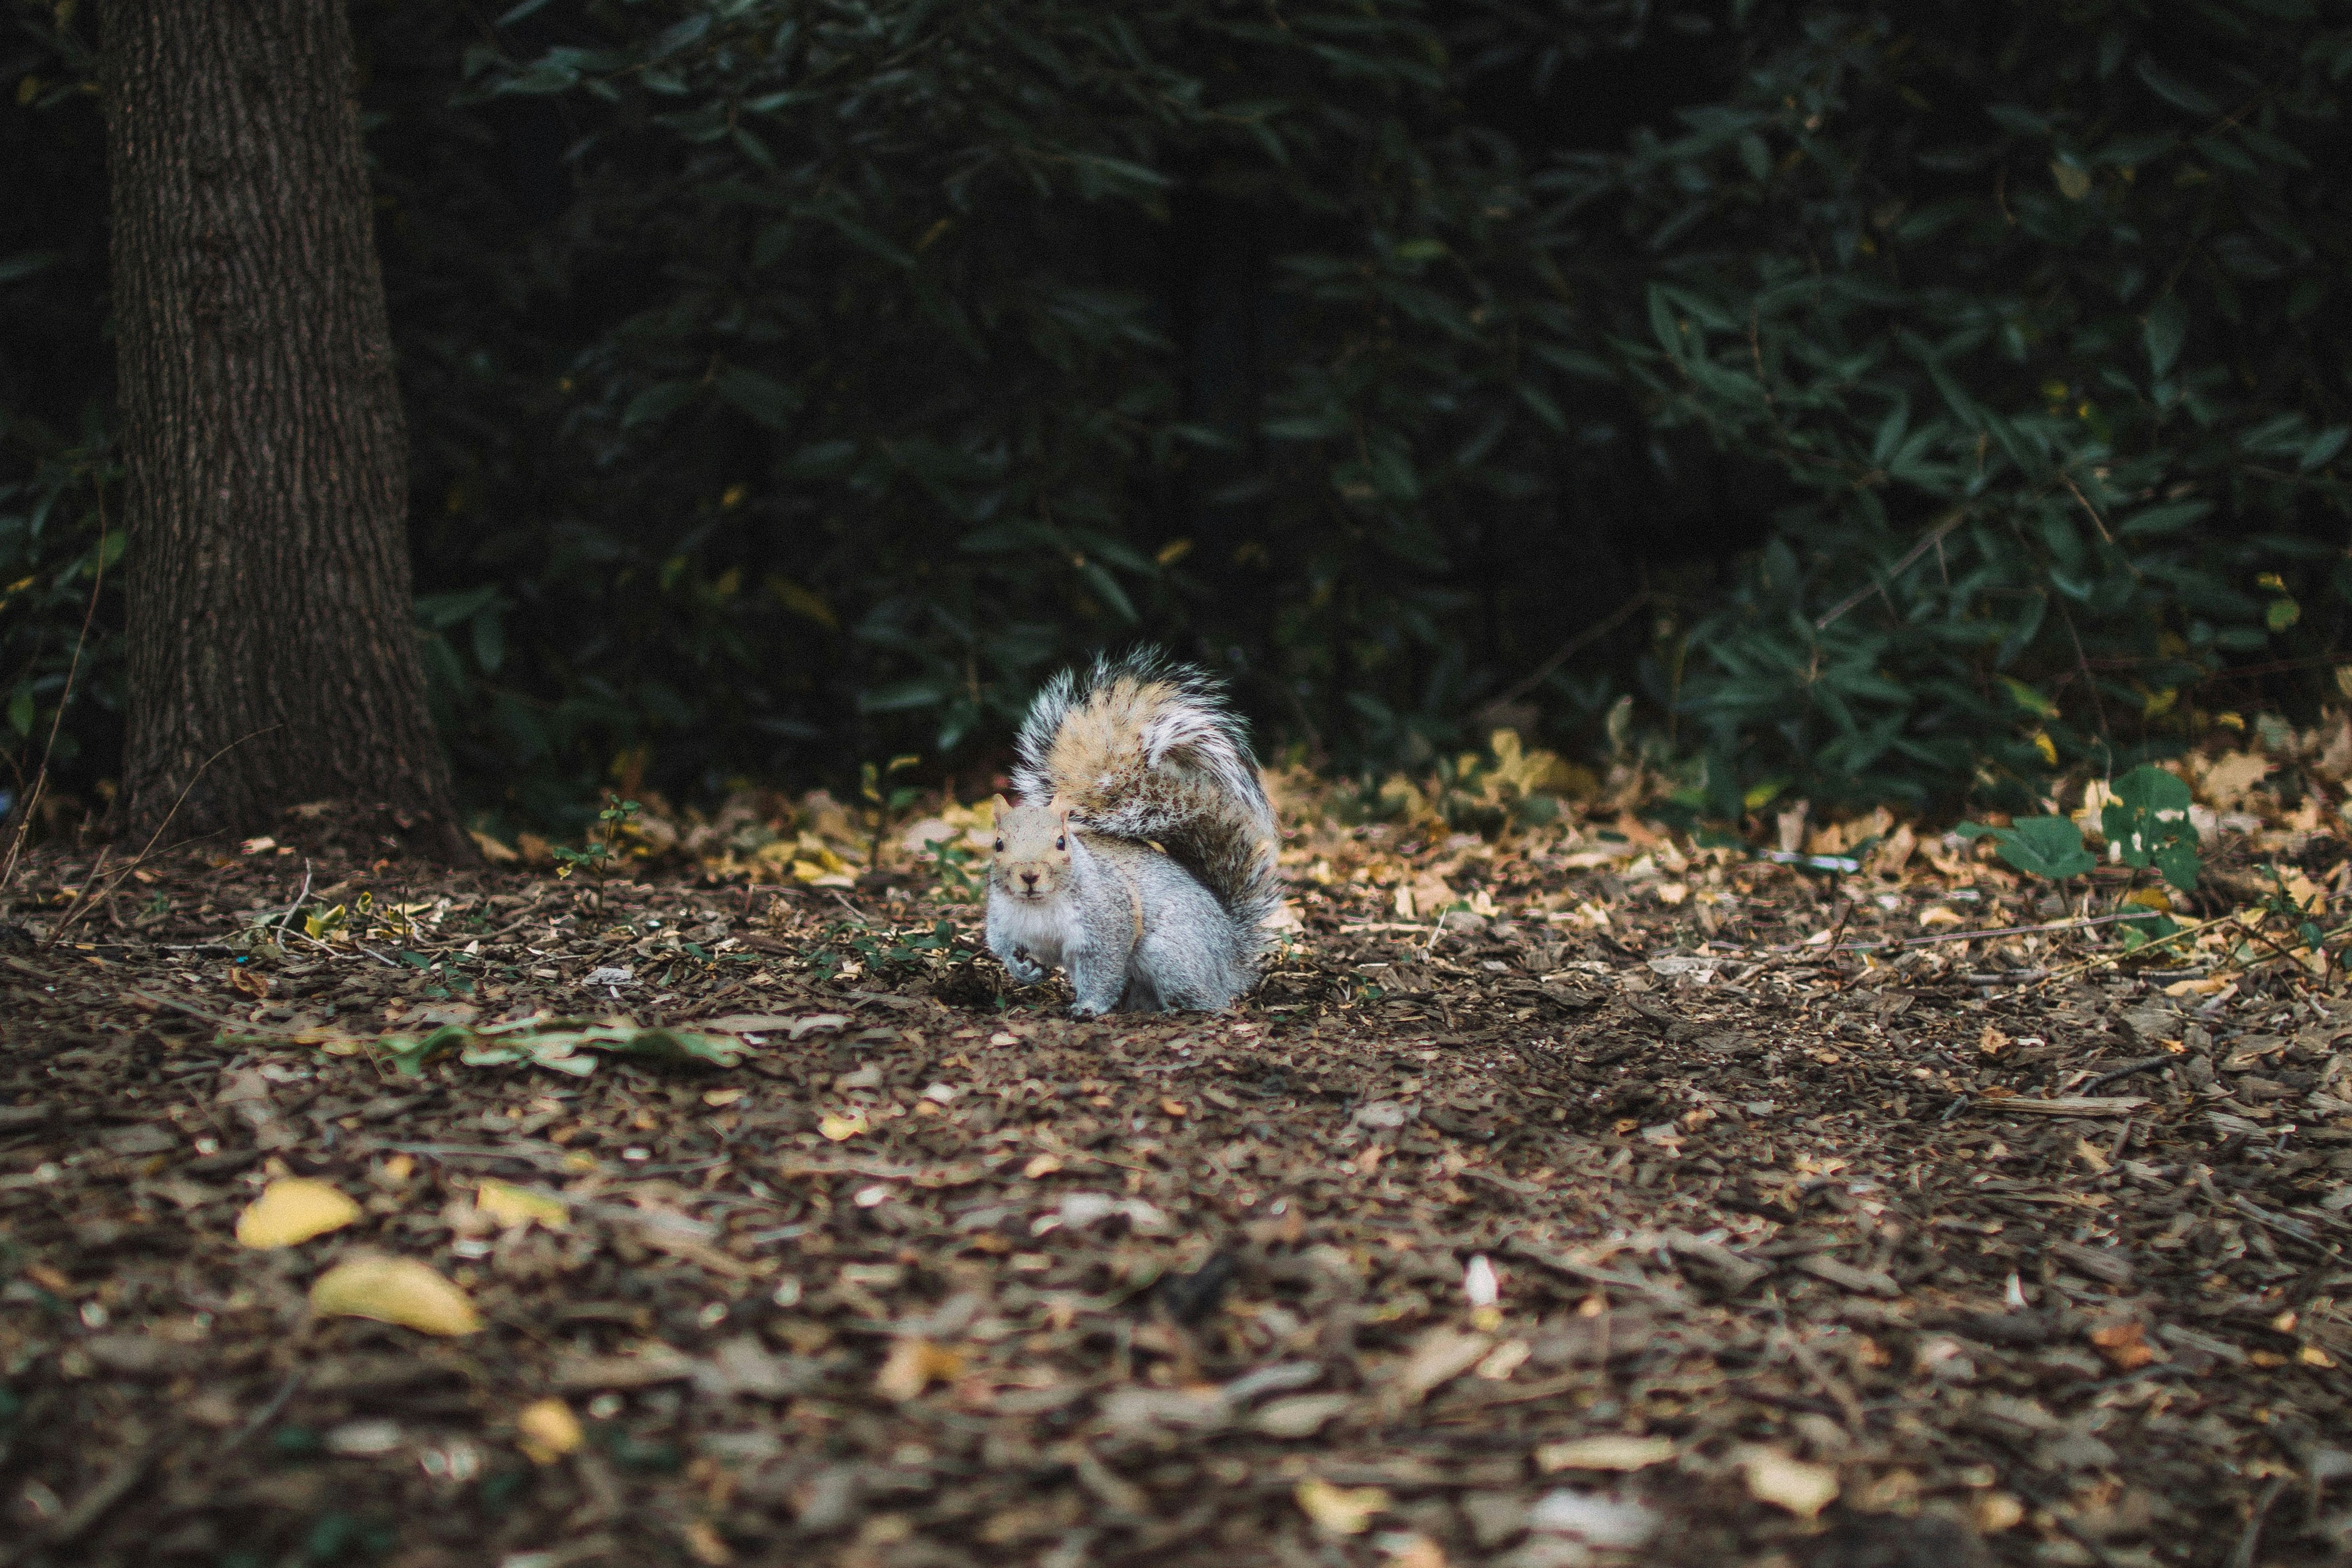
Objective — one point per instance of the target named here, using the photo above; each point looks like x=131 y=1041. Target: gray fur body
x=1141 y=861
x=1145 y=749
x=1134 y=931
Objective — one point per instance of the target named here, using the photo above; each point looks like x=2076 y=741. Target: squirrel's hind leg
x=1098 y=978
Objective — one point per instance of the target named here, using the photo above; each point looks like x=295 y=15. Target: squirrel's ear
x=1001 y=806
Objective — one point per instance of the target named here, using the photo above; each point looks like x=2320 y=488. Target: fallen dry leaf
x=1504 y=1360
x=1611 y=1452
x=1300 y=1415
x=1995 y=1511
x=546 y=1430
x=837 y=1128
x=915 y=1364
x=1339 y=1510
x=706 y=1546
x=521 y=1206
x=1438 y=1357
x=1413 y=1551
x=393 y=1291
x=1785 y=1481
x=2124 y=1346
x=293 y=1209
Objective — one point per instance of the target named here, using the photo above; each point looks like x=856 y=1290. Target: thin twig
x=2072 y=923
x=263 y=1417
x=149 y=847
x=285 y=920
x=1570 y=649
x=2126 y=1070
x=96 y=870
x=2101 y=959
x=41 y=776
x=2244 y=1557
x=1934 y=537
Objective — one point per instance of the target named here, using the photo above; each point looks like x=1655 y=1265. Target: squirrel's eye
x=1060 y=845
x=999 y=846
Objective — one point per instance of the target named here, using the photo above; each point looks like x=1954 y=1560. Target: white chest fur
x=1033 y=926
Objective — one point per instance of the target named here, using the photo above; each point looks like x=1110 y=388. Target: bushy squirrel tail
x=1146 y=748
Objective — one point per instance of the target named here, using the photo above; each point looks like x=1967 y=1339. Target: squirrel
x=1141 y=860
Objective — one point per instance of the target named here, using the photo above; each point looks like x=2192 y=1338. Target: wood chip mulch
x=1585 y=1231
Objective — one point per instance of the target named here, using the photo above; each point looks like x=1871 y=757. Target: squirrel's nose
x=1029 y=878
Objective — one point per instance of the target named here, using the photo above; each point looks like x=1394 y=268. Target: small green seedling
x=882 y=804
x=602 y=848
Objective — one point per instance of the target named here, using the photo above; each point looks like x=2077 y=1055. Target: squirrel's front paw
x=1086 y=1010
x=1025 y=969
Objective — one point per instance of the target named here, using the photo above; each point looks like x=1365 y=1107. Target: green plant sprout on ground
x=2145 y=820
x=883 y=950
x=2047 y=847
x=882 y=805
x=602 y=847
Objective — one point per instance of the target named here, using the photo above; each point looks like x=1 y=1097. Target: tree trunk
x=273 y=657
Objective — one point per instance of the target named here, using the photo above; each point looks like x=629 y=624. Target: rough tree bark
x=273 y=659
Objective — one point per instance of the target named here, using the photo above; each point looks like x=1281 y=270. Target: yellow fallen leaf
x=393 y=1291
x=293 y=1211
x=914 y=1365
x=1937 y=915
x=1041 y=1166
x=1616 y=1451
x=1995 y=1511
x=519 y=1206
x=1788 y=1482
x=1339 y=1510
x=707 y=1545
x=837 y=1128
x=492 y=851
x=1415 y=1552
x=546 y=1430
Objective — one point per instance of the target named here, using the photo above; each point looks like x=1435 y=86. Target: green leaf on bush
x=2148 y=822
x=2048 y=847
x=2168 y=327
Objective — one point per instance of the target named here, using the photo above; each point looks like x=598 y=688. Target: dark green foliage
x=2060 y=354
x=793 y=383
x=59 y=477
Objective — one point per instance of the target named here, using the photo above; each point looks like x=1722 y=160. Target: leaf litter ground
x=1605 y=1219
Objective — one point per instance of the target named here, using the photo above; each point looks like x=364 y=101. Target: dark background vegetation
x=1955 y=390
